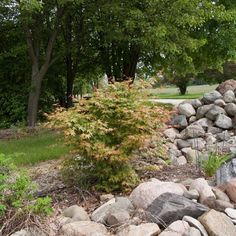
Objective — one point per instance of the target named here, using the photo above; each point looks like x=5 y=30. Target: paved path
x=175 y=102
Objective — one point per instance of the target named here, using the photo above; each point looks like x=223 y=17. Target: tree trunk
x=33 y=101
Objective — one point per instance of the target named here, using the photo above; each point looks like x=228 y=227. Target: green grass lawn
x=35 y=148
x=193 y=92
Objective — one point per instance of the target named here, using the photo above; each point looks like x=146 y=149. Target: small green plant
x=17 y=197
x=213 y=163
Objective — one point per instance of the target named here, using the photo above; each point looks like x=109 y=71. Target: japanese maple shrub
x=106 y=129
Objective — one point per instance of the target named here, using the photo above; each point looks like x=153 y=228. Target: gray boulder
x=214 y=112
x=182 y=143
x=226 y=172
x=223 y=121
x=197 y=143
x=229 y=96
x=170 y=207
x=231 y=109
x=204 y=123
x=223 y=136
x=211 y=97
x=220 y=102
x=192 y=131
x=201 y=111
x=179 y=121
x=186 y=109
x=117 y=218
x=196 y=103
x=171 y=133
x=214 y=130
x=177 y=228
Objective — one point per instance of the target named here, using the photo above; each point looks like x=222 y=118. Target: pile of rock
x=204 y=125
x=190 y=208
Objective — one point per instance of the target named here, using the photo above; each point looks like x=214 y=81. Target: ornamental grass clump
x=106 y=129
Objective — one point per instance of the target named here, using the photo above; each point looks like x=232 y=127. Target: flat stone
x=223 y=121
x=186 y=109
x=214 y=112
x=231 y=109
x=143 y=195
x=203 y=189
x=195 y=223
x=201 y=111
x=83 y=228
x=76 y=212
x=231 y=190
x=170 y=207
x=217 y=224
x=191 y=194
x=147 y=229
x=231 y=213
x=211 y=97
x=178 y=227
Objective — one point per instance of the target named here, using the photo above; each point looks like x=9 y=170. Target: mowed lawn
x=42 y=146
x=193 y=92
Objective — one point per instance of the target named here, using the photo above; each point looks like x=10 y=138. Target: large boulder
x=169 y=207
x=224 y=122
x=143 y=195
x=211 y=97
x=230 y=108
x=204 y=122
x=217 y=224
x=186 y=109
x=226 y=86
